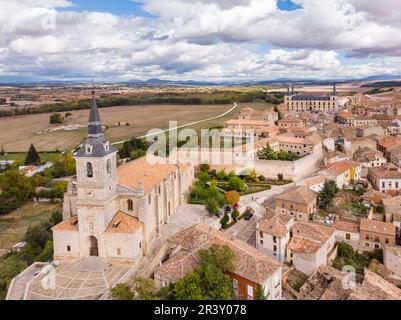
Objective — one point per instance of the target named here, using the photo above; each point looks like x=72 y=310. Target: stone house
x=376 y=234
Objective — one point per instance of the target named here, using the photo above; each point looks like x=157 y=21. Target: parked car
x=227 y=209
x=248 y=215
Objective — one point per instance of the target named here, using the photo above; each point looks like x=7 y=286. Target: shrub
x=212 y=206
x=345 y=250
x=235 y=215
x=224 y=221
x=232 y=197
x=121 y=292
x=237 y=183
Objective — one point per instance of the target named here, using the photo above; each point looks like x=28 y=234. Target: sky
x=204 y=40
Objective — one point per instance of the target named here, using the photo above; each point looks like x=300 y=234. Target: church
x=112 y=212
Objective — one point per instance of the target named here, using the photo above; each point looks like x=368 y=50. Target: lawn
x=252 y=187
x=20 y=156
x=14 y=225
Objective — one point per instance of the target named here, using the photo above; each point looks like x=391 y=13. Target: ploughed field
x=17 y=133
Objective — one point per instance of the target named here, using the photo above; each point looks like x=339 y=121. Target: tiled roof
x=276 y=225
x=375 y=226
x=385 y=173
x=124 y=223
x=312 y=231
x=299 y=194
x=392 y=205
x=249 y=262
x=314 y=180
x=248 y=122
x=70 y=224
x=305 y=246
x=346 y=226
x=140 y=170
x=338 y=168
x=375 y=287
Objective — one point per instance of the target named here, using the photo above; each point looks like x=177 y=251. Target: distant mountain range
x=161 y=82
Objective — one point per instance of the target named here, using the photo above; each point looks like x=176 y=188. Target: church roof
x=95 y=138
x=70 y=224
x=124 y=223
x=142 y=171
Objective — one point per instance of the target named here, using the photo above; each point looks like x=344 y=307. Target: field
x=14 y=225
x=17 y=133
x=20 y=156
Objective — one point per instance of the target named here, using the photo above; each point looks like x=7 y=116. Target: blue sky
x=118 y=7
x=198 y=39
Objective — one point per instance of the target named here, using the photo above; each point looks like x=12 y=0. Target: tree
x=59 y=188
x=2 y=152
x=203 y=178
x=221 y=175
x=345 y=250
x=212 y=205
x=204 y=167
x=236 y=183
x=221 y=256
x=267 y=153
x=144 y=289
x=260 y=293
x=32 y=158
x=37 y=236
x=56 y=118
x=235 y=214
x=232 y=197
x=15 y=186
x=64 y=165
x=189 y=287
x=224 y=221
x=327 y=194
x=121 y=291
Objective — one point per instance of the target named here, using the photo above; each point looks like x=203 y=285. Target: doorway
x=93 y=249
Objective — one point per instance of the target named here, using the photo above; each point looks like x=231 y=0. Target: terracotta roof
x=290 y=120
x=299 y=194
x=314 y=180
x=312 y=231
x=140 y=170
x=70 y=224
x=375 y=226
x=375 y=287
x=124 y=223
x=305 y=246
x=248 y=122
x=276 y=225
x=392 y=205
x=249 y=262
x=385 y=173
x=338 y=168
x=346 y=226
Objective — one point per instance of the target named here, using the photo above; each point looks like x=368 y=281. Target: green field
x=45 y=157
x=13 y=226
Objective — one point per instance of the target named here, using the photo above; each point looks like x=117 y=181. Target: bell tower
x=96 y=163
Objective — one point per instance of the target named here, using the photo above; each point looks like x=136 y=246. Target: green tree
x=221 y=175
x=121 y=291
x=47 y=252
x=15 y=186
x=189 y=287
x=59 y=188
x=345 y=250
x=38 y=235
x=212 y=205
x=236 y=183
x=235 y=214
x=204 y=178
x=64 y=165
x=259 y=293
x=220 y=256
x=204 y=167
x=56 y=118
x=267 y=153
x=327 y=194
x=144 y=289
x=224 y=221
x=32 y=158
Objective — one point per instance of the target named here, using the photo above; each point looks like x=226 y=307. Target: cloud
x=200 y=39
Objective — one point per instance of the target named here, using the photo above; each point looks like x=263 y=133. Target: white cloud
x=202 y=39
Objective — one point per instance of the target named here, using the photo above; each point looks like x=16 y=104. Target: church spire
x=94 y=125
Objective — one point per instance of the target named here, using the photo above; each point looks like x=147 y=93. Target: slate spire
x=94 y=125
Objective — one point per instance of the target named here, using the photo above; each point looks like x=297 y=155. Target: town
x=314 y=208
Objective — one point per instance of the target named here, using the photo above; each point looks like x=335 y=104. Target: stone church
x=116 y=212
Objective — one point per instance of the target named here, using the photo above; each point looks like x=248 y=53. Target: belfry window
x=130 y=205
x=89 y=170
x=108 y=166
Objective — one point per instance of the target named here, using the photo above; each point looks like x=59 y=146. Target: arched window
x=108 y=166
x=130 y=205
x=89 y=170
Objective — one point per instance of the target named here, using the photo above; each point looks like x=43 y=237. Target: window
x=367 y=237
x=275 y=248
x=68 y=248
x=89 y=170
x=274 y=239
x=150 y=198
x=130 y=205
x=261 y=241
x=118 y=251
x=261 y=234
x=347 y=236
x=250 y=292
x=235 y=284
x=377 y=239
x=108 y=166
x=386 y=240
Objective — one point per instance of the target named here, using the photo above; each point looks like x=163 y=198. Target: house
x=385 y=178
x=299 y=202
x=242 y=128
x=335 y=156
x=351 y=145
x=328 y=283
x=311 y=245
x=301 y=146
x=376 y=234
x=315 y=183
x=252 y=114
x=346 y=231
x=290 y=122
x=251 y=267
x=392 y=261
x=369 y=158
x=273 y=234
x=393 y=154
x=392 y=210
x=340 y=173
